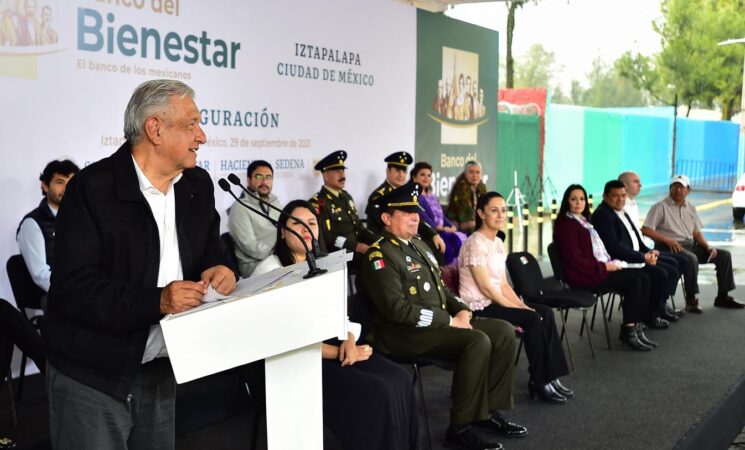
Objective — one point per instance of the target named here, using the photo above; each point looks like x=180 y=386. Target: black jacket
x=616 y=237
x=103 y=297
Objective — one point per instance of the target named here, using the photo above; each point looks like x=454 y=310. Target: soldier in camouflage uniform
x=416 y=315
x=337 y=214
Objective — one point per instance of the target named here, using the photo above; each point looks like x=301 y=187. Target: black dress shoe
x=628 y=336
x=472 y=438
x=668 y=316
x=643 y=337
x=692 y=306
x=561 y=389
x=658 y=323
x=496 y=423
x=725 y=301
x=547 y=392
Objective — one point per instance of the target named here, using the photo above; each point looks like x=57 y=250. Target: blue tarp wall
x=593 y=145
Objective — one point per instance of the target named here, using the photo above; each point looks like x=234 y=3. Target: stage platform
x=687 y=393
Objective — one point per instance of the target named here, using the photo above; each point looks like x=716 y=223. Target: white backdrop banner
x=285 y=81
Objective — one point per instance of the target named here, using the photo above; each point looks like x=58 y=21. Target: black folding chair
x=558 y=268
x=529 y=283
x=27 y=296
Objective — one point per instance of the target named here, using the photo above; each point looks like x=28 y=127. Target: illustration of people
x=8 y=21
x=47 y=34
x=482 y=108
x=459 y=106
x=438 y=104
x=468 y=115
x=28 y=27
x=20 y=25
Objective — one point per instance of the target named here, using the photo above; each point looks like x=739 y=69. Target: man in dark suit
x=624 y=242
x=137 y=237
x=416 y=315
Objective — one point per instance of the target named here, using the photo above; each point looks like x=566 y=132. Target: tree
x=512 y=6
x=576 y=93
x=536 y=68
x=557 y=96
x=691 y=65
x=608 y=89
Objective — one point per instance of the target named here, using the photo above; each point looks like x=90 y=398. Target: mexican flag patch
x=379 y=264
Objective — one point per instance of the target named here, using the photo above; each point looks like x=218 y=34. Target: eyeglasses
x=260 y=177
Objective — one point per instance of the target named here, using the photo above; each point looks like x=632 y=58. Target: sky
x=577 y=31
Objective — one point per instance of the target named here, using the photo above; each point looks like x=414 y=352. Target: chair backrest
x=556 y=263
x=451 y=277
x=525 y=273
x=228 y=248
x=360 y=310
x=27 y=294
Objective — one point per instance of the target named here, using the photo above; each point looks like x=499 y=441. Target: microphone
x=309 y=258
x=233 y=178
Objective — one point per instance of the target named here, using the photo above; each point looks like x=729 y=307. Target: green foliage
x=536 y=68
x=607 y=89
x=691 y=64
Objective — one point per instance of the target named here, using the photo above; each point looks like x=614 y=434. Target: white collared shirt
x=34 y=250
x=163 y=207
x=629 y=228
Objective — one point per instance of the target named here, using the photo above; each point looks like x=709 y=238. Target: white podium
x=279 y=317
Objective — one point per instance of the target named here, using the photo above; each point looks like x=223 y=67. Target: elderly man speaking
x=137 y=237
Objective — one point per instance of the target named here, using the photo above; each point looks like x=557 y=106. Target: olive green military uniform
x=413 y=309
x=338 y=221
x=376 y=226
x=373 y=219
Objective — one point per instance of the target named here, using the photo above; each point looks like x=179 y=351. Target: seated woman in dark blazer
x=483 y=285
x=368 y=401
x=588 y=265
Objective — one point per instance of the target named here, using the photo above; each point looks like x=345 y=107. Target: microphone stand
x=233 y=178
x=313 y=269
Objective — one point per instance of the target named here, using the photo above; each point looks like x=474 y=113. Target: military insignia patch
x=412 y=290
x=432 y=258
x=379 y=264
x=426 y=286
x=374 y=255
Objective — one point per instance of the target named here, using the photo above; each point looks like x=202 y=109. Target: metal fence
x=708 y=175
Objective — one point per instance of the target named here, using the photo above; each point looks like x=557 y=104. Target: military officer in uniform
x=395 y=176
x=416 y=315
x=337 y=214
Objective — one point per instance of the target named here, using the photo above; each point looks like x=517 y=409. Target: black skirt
x=370 y=404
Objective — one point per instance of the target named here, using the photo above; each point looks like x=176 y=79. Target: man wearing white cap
x=675 y=226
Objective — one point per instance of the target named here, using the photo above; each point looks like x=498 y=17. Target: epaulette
x=376 y=244
x=381 y=191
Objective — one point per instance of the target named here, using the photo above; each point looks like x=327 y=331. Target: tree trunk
x=509 y=62
x=728 y=109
